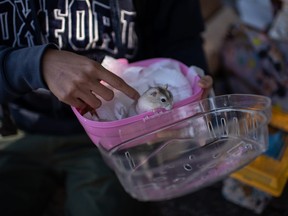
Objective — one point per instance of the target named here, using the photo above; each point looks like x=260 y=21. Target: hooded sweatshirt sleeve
x=21 y=70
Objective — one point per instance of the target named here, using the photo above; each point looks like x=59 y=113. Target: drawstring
x=36 y=23
x=117 y=26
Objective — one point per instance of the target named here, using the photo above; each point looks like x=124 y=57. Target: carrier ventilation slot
x=130 y=160
x=236 y=126
x=211 y=129
x=245 y=126
x=224 y=127
x=255 y=126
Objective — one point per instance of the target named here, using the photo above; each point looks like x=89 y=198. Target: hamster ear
x=165 y=86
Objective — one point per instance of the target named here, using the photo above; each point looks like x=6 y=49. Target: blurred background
x=246 y=44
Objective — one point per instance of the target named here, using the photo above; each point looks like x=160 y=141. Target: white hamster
x=153 y=98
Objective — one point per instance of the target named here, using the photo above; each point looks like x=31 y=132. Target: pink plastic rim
x=197 y=92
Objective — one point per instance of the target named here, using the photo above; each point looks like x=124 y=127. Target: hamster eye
x=163 y=100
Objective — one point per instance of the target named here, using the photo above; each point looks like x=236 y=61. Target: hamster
x=153 y=98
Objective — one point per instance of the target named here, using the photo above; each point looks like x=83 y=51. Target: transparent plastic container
x=172 y=153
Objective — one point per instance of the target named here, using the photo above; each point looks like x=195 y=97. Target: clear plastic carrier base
x=173 y=153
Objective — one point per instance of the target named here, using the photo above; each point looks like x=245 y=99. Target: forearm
x=20 y=71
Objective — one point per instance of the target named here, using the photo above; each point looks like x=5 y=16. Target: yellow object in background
x=279 y=119
x=266 y=173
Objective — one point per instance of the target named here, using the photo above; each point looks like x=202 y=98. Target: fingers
x=125 y=88
x=206 y=82
x=85 y=108
x=205 y=94
x=78 y=103
x=119 y=84
x=90 y=99
x=98 y=89
x=94 y=89
x=104 y=92
x=76 y=80
x=83 y=105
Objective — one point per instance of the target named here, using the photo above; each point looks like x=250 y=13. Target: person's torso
x=80 y=26
x=87 y=27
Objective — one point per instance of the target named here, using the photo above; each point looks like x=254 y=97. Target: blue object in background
x=276 y=145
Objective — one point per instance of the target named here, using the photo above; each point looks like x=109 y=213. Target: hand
x=206 y=82
x=75 y=80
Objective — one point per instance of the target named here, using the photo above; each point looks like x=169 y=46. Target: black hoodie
x=146 y=29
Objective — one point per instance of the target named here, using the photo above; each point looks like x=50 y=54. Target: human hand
x=206 y=82
x=75 y=80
